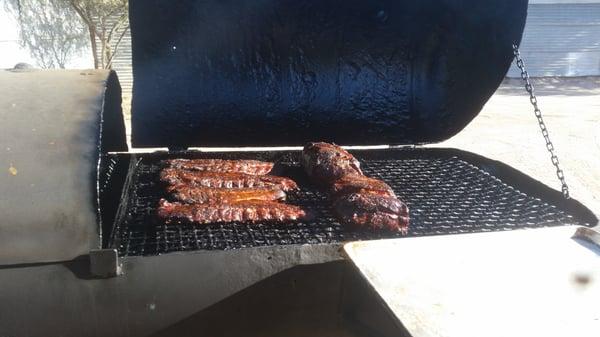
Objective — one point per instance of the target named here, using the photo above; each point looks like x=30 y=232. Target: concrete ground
x=507 y=130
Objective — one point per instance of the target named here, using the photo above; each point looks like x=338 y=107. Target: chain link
x=540 y=119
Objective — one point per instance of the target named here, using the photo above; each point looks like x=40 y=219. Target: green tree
x=49 y=29
x=54 y=30
x=107 y=23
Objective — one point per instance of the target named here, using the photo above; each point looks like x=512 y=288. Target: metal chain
x=542 y=124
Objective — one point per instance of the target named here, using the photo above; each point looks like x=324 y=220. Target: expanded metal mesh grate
x=444 y=195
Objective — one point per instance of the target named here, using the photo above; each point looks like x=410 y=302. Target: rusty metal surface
x=252 y=73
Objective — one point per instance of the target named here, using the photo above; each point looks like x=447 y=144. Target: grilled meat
x=224 y=180
x=253 y=167
x=243 y=211
x=354 y=183
x=368 y=209
x=359 y=201
x=324 y=163
x=204 y=195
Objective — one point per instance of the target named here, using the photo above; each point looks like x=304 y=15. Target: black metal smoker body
x=80 y=252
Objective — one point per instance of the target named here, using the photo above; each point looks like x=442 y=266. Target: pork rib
x=224 y=180
x=369 y=209
x=253 y=167
x=205 y=195
x=245 y=211
x=354 y=183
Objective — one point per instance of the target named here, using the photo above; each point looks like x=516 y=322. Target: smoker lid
x=283 y=72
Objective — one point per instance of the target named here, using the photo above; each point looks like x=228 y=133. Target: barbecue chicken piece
x=205 y=195
x=224 y=180
x=253 y=167
x=243 y=211
x=353 y=183
x=368 y=209
x=324 y=163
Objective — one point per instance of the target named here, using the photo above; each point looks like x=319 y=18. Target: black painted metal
x=113 y=124
x=445 y=191
x=114 y=169
x=283 y=72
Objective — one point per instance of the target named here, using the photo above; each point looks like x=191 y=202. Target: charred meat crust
x=254 y=167
x=325 y=163
x=366 y=209
x=358 y=201
x=206 y=195
x=224 y=179
x=353 y=183
x=244 y=211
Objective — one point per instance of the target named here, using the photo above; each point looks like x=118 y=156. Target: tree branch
x=120 y=21
x=85 y=16
x=114 y=52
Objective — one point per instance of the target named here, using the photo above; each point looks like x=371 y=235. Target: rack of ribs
x=242 y=211
x=224 y=179
x=372 y=210
x=253 y=167
x=206 y=195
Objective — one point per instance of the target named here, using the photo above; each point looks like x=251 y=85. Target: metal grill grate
x=444 y=195
x=106 y=172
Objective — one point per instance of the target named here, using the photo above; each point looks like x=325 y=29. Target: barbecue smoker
x=81 y=249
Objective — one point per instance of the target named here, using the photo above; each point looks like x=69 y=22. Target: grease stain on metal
x=582 y=279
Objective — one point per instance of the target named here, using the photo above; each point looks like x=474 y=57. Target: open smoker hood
x=281 y=73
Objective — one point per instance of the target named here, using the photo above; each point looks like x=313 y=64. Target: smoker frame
x=171 y=293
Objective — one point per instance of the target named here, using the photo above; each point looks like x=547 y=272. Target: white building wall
x=12 y=53
x=561 y=38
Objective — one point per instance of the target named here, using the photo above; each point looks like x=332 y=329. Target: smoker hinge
x=177 y=148
x=410 y=146
x=105 y=263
